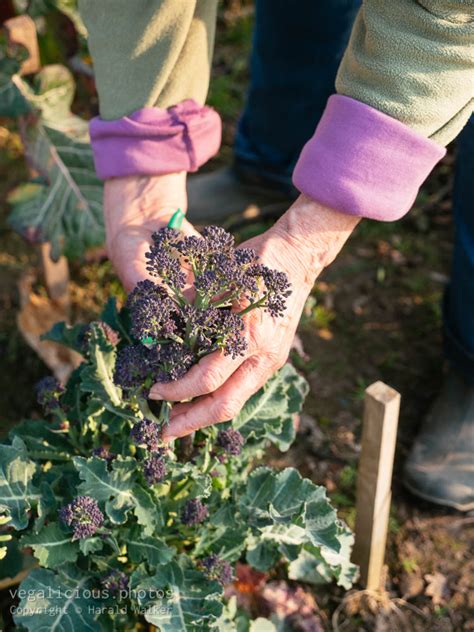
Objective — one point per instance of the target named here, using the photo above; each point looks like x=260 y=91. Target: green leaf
x=16 y=489
x=263 y=555
x=57 y=601
x=153 y=551
x=43 y=440
x=67 y=210
x=286 y=512
x=147 y=510
x=268 y=415
x=64 y=334
x=46 y=507
x=52 y=546
x=112 y=487
x=195 y=602
x=12 y=101
x=91 y=545
x=97 y=374
x=320 y=566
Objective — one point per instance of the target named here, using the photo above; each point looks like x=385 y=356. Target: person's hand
x=301 y=244
x=135 y=207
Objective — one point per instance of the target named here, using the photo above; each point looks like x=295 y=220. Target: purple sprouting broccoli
x=83 y=515
x=217 y=569
x=163 y=259
x=116 y=583
x=103 y=453
x=48 y=393
x=154 y=468
x=146 y=433
x=194 y=512
x=177 y=328
x=132 y=367
x=153 y=312
x=173 y=361
x=231 y=441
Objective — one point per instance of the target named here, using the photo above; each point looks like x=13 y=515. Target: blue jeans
x=459 y=299
x=294 y=62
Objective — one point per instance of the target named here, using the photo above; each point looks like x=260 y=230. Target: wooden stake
x=374 y=480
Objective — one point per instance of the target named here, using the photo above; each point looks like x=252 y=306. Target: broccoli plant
x=126 y=530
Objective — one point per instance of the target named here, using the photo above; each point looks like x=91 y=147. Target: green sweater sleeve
x=413 y=60
x=149 y=52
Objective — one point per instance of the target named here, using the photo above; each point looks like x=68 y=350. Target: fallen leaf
x=437 y=587
x=36 y=316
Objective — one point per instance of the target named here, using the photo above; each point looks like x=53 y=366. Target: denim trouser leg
x=297 y=48
x=459 y=300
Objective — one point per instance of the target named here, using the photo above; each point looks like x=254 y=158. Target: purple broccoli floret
x=194 y=512
x=152 y=311
x=103 y=453
x=217 y=569
x=154 y=469
x=116 y=583
x=231 y=441
x=48 y=393
x=132 y=367
x=146 y=433
x=83 y=515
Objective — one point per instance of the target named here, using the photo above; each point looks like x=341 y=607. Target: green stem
x=252 y=306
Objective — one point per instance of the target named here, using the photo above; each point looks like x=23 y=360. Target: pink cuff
x=363 y=162
x=154 y=141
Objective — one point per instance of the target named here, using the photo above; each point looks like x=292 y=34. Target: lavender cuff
x=363 y=162
x=153 y=141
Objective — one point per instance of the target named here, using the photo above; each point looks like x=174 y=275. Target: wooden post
x=374 y=480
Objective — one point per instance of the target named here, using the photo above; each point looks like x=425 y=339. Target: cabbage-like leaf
x=320 y=566
x=286 y=512
x=16 y=487
x=195 y=602
x=114 y=487
x=59 y=601
x=97 y=374
x=52 y=546
x=269 y=413
x=153 y=551
x=65 y=207
x=42 y=440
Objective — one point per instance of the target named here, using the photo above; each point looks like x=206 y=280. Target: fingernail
x=154 y=394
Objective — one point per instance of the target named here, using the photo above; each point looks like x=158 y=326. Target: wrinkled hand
x=135 y=207
x=304 y=241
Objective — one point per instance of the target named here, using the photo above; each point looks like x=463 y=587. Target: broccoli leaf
x=59 y=601
x=115 y=487
x=286 y=512
x=16 y=487
x=194 y=602
x=52 y=546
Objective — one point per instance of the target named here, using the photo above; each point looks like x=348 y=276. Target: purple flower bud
x=48 y=393
x=231 y=441
x=194 y=512
x=217 y=569
x=83 y=515
x=103 y=453
x=152 y=311
x=116 y=583
x=146 y=433
x=154 y=469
